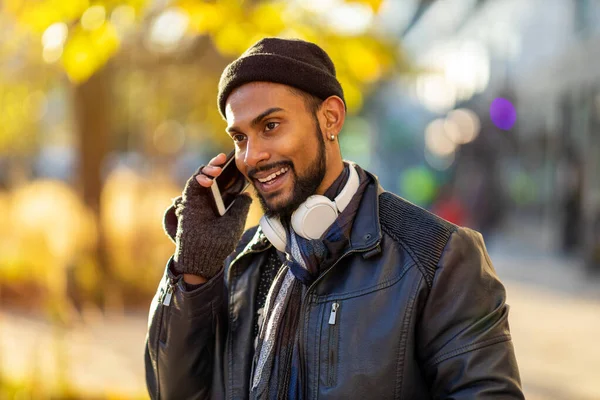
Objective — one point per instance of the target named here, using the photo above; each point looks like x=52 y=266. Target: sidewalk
x=556 y=343
x=101 y=358
x=554 y=319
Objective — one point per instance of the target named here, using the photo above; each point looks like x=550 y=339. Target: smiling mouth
x=269 y=180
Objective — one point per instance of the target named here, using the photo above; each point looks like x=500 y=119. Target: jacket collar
x=366 y=229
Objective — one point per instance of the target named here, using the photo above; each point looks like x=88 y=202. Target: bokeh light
x=456 y=71
x=51 y=54
x=465 y=125
x=350 y=19
x=468 y=69
x=452 y=131
x=93 y=18
x=123 y=18
x=55 y=35
x=503 y=113
x=436 y=93
x=418 y=185
x=437 y=139
x=168 y=29
x=439 y=162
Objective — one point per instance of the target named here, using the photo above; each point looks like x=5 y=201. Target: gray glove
x=203 y=239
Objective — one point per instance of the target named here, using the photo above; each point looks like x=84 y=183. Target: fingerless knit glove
x=203 y=239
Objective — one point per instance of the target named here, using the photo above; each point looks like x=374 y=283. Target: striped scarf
x=276 y=370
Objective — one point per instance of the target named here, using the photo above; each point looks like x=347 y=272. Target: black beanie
x=291 y=62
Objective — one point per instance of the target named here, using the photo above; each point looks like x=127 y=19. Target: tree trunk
x=91 y=106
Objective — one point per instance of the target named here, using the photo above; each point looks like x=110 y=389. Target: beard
x=304 y=185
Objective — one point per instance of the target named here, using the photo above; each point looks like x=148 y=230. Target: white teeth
x=273 y=175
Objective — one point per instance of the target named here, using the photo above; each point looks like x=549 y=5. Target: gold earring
x=332 y=138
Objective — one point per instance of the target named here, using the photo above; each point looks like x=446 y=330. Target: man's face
x=279 y=145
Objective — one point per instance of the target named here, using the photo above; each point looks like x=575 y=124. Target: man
x=381 y=301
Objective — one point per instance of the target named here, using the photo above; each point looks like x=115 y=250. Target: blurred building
x=542 y=56
x=557 y=83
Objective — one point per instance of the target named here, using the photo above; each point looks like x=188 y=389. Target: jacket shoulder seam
x=406 y=248
x=470 y=347
x=420 y=233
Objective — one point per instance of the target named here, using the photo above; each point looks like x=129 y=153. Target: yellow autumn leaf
x=362 y=62
x=334 y=49
x=106 y=41
x=87 y=52
x=233 y=39
x=39 y=15
x=17 y=117
x=70 y=9
x=39 y=18
x=267 y=17
x=203 y=17
x=352 y=94
x=80 y=59
x=111 y=4
x=12 y=6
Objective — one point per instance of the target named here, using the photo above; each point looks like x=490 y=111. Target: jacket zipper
x=167 y=293
x=164 y=299
x=333 y=343
x=302 y=308
x=333 y=315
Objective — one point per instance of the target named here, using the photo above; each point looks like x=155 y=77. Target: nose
x=255 y=154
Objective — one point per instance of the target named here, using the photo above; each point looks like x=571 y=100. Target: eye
x=271 y=125
x=238 y=137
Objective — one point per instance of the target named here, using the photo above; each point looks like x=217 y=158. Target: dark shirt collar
x=339 y=183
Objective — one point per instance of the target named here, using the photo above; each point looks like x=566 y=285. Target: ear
x=332 y=115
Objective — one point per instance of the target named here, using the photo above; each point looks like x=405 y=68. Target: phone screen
x=230 y=183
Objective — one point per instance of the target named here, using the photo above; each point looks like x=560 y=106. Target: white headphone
x=312 y=218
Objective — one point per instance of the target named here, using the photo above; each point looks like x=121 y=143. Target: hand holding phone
x=226 y=183
x=203 y=237
x=211 y=170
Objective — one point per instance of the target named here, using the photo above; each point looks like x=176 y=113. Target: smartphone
x=228 y=185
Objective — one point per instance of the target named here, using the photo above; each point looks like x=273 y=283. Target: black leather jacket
x=413 y=310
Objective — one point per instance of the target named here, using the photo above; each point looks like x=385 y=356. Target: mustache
x=280 y=164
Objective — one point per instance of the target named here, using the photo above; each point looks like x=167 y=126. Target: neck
x=331 y=175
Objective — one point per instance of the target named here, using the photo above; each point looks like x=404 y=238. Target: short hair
x=311 y=102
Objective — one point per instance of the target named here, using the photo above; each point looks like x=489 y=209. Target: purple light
x=503 y=113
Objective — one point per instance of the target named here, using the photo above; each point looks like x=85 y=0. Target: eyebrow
x=257 y=119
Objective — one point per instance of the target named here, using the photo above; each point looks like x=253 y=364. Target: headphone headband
x=343 y=198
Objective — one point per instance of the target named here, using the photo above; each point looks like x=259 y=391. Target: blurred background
x=486 y=112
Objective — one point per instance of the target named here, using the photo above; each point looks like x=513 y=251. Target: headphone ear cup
x=314 y=216
x=274 y=231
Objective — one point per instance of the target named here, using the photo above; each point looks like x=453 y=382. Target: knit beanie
x=291 y=62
